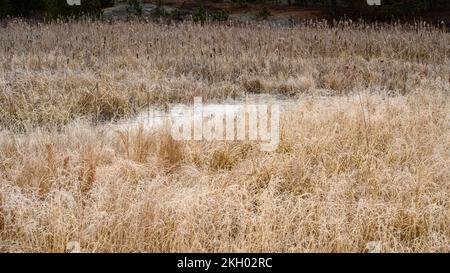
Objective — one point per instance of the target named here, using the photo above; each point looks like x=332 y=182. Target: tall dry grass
x=53 y=73
x=364 y=154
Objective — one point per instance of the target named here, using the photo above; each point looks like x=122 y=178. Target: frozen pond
x=156 y=116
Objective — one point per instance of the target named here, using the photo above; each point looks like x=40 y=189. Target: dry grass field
x=364 y=152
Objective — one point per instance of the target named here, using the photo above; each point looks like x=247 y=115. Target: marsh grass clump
x=88 y=169
x=169 y=151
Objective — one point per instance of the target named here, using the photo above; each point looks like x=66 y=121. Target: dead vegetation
x=55 y=73
x=364 y=153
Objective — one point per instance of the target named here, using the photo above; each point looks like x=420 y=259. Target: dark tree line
x=387 y=7
x=51 y=8
x=422 y=5
x=60 y=8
